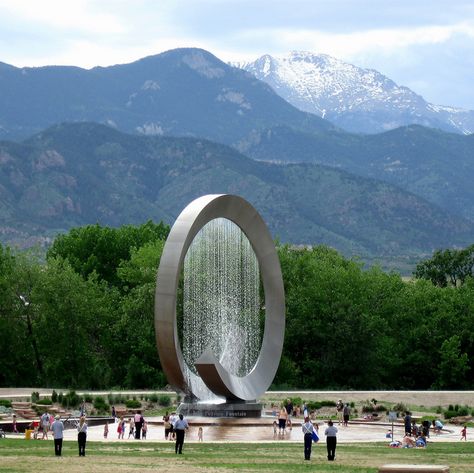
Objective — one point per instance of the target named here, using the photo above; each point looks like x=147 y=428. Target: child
x=119 y=429
x=200 y=434
x=106 y=430
x=15 y=430
x=275 y=427
x=464 y=433
x=144 y=429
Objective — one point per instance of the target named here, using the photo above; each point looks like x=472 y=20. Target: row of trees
x=84 y=318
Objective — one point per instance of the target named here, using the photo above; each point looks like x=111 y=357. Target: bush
x=110 y=398
x=400 y=407
x=367 y=408
x=328 y=403
x=381 y=408
x=35 y=396
x=463 y=411
x=450 y=407
x=450 y=413
x=88 y=398
x=154 y=398
x=60 y=398
x=5 y=403
x=54 y=396
x=100 y=405
x=164 y=400
x=71 y=399
x=352 y=404
x=44 y=402
x=133 y=404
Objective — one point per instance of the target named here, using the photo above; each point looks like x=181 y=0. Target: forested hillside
x=84 y=319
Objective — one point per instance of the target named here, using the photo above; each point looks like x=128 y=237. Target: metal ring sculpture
x=213 y=374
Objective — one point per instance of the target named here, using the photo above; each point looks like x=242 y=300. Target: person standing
x=138 y=424
x=180 y=426
x=82 y=436
x=14 y=424
x=45 y=425
x=464 y=433
x=339 y=411
x=407 y=422
x=346 y=412
x=331 y=440
x=282 y=418
x=307 y=429
x=58 y=429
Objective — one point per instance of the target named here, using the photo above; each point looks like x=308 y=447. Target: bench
x=414 y=469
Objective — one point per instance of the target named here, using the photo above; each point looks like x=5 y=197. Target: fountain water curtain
x=221 y=247
x=221 y=301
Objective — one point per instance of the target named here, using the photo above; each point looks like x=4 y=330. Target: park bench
x=414 y=469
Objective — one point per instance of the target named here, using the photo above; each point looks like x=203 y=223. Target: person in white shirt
x=180 y=426
x=331 y=440
x=82 y=436
x=307 y=429
x=57 y=427
x=45 y=425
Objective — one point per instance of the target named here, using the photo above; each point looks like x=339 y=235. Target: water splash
x=221 y=301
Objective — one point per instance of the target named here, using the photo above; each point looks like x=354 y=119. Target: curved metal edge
x=215 y=376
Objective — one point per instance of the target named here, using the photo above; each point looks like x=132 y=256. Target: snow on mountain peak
x=358 y=99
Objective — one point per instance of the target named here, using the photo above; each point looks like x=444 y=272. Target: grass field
x=24 y=456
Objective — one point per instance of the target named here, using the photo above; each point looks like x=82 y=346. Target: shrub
x=463 y=411
x=352 y=404
x=367 y=408
x=44 y=402
x=450 y=413
x=100 y=405
x=328 y=403
x=35 y=396
x=132 y=404
x=110 y=398
x=380 y=408
x=164 y=400
x=54 y=396
x=88 y=398
x=154 y=397
x=60 y=398
x=450 y=407
x=71 y=399
x=5 y=403
x=400 y=407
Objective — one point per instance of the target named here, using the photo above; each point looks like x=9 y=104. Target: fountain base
x=226 y=409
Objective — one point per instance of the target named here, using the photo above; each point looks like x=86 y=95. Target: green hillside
x=76 y=174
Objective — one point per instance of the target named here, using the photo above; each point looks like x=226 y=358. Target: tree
x=453 y=365
x=449 y=266
x=98 y=249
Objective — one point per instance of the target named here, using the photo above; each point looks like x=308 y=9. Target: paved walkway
x=264 y=433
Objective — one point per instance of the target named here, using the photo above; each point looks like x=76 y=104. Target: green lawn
x=23 y=456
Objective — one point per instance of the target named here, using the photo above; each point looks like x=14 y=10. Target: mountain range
x=185 y=92
x=83 y=173
x=353 y=98
x=195 y=125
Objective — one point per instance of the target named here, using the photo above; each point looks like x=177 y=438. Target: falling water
x=221 y=301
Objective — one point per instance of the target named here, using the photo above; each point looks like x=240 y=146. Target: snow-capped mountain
x=356 y=99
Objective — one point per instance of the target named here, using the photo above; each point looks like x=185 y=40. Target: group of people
x=310 y=432
x=137 y=427
x=175 y=427
x=343 y=412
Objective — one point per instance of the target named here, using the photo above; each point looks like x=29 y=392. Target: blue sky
x=427 y=45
